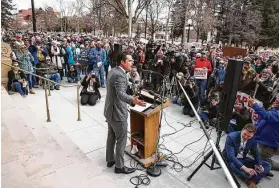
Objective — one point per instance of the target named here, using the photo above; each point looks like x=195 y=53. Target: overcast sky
x=25 y=4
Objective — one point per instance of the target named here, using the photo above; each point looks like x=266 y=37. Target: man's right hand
x=250 y=171
x=136 y=101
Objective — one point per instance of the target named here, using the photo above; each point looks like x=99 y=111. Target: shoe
x=251 y=183
x=110 y=164
x=103 y=86
x=206 y=125
x=32 y=91
x=124 y=170
x=35 y=86
x=57 y=87
x=269 y=174
x=51 y=87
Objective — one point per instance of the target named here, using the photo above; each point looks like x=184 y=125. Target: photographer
x=193 y=91
x=90 y=92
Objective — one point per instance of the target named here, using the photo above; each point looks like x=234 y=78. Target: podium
x=144 y=129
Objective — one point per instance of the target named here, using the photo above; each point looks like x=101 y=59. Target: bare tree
x=66 y=10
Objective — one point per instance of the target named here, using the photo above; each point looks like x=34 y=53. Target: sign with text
x=244 y=97
x=200 y=73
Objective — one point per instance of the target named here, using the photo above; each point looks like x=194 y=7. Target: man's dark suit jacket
x=232 y=149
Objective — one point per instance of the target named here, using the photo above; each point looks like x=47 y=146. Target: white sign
x=200 y=73
x=244 y=97
x=142 y=40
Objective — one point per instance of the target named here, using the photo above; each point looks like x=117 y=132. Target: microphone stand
x=154 y=170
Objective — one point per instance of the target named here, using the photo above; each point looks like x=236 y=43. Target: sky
x=25 y=4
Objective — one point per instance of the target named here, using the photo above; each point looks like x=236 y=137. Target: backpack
x=40 y=56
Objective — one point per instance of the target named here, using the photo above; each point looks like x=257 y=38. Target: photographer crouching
x=90 y=92
x=193 y=92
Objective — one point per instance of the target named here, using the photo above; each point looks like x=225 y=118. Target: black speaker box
x=232 y=80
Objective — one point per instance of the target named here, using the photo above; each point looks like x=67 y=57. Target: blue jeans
x=55 y=77
x=204 y=116
x=250 y=163
x=30 y=80
x=101 y=72
x=18 y=87
x=202 y=87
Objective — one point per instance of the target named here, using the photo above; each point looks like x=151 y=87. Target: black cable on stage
x=141 y=179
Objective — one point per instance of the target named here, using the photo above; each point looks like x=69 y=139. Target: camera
x=93 y=76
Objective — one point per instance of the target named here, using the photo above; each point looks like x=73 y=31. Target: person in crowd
x=107 y=59
x=90 y=92
x=17 y=81
x=265 y=82
x=267 y=135
x=50 y=73
x=259 y=65
x=211 y=111
x=97 y=57
x=133 y=81
x=83 y=58
x=26 y=63
x=240 y=117
x=72 y=75
x=202 y=63
x=158 y=66
x=192 y=91
x=56 y=56
x=238 y=145
x=248 y=75
x=116 y=113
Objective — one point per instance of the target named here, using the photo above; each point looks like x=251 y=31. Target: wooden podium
x=144 y=130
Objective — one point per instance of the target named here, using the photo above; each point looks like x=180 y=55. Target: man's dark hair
x=122 y=57
x=250 y=127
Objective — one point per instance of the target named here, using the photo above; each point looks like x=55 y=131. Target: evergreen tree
x=7 y=7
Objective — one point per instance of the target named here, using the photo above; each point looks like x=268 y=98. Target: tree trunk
x=198 y=34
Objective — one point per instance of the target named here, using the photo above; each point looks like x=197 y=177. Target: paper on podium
x=140 y=108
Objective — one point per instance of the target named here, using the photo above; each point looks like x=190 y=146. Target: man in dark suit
x=116 y=113
x=238 y=145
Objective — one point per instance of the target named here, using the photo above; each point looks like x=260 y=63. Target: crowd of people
x=200 y=71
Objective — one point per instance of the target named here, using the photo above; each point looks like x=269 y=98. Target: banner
x=244 y=97
x=234 y=51
x=200 y=73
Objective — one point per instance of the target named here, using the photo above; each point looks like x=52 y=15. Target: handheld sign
x=200 y=73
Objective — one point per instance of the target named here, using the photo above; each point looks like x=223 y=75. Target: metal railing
x=45 y=87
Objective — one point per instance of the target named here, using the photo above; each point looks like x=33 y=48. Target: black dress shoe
x=269 y=174
x=124 y=170
x=110 y=164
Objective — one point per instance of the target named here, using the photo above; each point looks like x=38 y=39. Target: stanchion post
x=47 y=105
x=49 y=94
x=78 y=103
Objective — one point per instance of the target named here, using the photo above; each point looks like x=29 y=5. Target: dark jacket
x=85 y=84
x=267 y=126
x=52 y=69
x=241 y=118
x=231 y=149
x=11 y=78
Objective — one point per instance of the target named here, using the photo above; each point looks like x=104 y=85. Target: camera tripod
x=172 y=87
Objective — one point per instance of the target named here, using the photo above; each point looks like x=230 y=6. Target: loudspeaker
x=117 y=49
x=232 y=80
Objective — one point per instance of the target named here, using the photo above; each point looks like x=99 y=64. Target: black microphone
x=154 y=94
